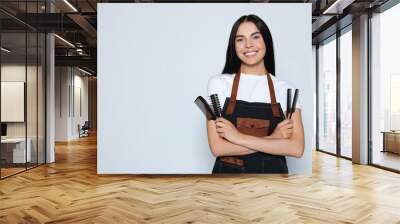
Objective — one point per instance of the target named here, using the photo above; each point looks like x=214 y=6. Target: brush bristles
x=216 y=105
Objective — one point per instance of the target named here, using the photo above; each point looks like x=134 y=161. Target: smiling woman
x=148 y=90
x=253 y=135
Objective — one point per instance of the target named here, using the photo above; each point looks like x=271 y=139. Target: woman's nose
x=249 y=43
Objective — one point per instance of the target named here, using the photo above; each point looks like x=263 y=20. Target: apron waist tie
x=232 y=160
x=240 y=160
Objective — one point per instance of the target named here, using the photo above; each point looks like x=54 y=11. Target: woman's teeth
x=250 y=53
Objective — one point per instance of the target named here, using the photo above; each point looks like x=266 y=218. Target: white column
x=50 y=110
x=360 y=90
x=50 y=92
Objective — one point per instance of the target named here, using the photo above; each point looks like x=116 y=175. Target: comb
x=288 y=102
x=205 y=108
x=296 y=94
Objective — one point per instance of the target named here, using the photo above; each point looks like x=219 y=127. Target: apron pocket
x=253 y=126
x=221 y=167
x=274 y=165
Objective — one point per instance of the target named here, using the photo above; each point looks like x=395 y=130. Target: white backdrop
x=155 y=59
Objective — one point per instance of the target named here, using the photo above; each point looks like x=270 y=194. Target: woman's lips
x=250 y=54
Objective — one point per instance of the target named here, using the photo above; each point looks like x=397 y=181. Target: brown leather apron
x=256 y=119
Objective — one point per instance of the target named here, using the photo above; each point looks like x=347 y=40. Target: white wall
x=79 y=117
x=67 y=117
x=61 y=103
x=155 y=59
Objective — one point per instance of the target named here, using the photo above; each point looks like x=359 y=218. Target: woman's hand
x=227 y=130
x=283 y=130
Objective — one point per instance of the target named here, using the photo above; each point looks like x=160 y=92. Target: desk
x=15 y=148
x=391 y=141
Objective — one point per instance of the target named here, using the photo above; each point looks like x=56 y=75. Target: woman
x=253 y=135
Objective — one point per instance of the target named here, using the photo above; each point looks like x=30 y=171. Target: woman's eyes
x=254 y=37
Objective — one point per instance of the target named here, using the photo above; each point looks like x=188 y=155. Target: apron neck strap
x=274 y=105
x=232 y=101
x=235 y=87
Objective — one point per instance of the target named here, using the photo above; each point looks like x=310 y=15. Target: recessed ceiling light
x=70 y=5
x=5 y=50
x=84 y=71
x=337 y=7
x=65 y=41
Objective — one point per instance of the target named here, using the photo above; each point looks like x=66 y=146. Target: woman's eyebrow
x=250 y=34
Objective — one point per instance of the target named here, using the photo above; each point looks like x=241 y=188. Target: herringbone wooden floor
x=70 y=191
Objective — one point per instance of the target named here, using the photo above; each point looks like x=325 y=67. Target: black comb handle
x=288 y=102
x=296 y=95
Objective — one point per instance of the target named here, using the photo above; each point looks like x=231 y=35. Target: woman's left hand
x=227 y=130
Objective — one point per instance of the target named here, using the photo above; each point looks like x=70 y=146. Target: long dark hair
x=232 y=64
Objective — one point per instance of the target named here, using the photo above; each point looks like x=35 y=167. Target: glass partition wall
x=385 y=89
x=345 y=62
x=334 y=110
x=334 y=90
x=13 y=94
x=327 y=96
x=22 y=98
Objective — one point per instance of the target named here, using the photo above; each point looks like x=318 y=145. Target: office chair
x=84 y=130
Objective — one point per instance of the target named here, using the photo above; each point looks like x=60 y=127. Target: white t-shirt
x=252 y=88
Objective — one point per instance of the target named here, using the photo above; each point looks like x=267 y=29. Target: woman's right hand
x=283 y=130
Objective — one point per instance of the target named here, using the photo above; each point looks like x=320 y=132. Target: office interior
x=33 y=64
x=48 y=80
